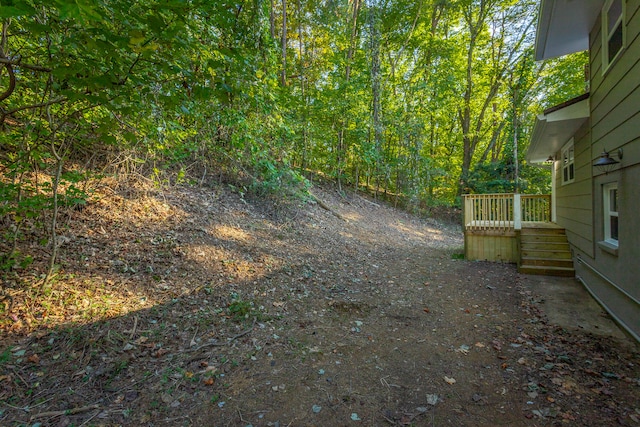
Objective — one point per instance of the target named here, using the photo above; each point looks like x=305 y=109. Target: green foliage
x=499 y=177
x=182 y=91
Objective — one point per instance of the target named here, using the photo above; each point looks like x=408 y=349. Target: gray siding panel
x=574 y=206
x=615 y=119
x=617 y=107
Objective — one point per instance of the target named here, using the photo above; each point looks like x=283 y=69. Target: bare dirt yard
x=192 y=306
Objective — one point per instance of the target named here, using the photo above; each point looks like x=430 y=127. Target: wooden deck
x=492 y=221
x=517 y=229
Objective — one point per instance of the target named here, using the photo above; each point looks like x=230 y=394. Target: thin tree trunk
x=54 y=219
x=375 y=80
x=303 y=94
x=284 y=43
x=272 y=20
x=341 y=152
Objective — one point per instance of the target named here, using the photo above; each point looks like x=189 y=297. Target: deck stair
x=545 y=251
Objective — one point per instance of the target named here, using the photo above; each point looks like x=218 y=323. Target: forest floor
x=192 y=306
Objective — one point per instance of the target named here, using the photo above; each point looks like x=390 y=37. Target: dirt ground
x=192 y=306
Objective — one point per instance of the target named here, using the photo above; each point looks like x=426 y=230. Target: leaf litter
x=192 y=305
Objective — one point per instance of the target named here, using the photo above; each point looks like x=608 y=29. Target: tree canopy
x=419 y=101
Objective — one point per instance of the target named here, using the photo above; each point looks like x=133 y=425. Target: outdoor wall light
x=606 y=163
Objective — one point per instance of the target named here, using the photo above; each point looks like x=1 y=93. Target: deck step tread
x=543 y=231
x=555 y=262
x=541 y=253
x=545 y=245
x=545 y=251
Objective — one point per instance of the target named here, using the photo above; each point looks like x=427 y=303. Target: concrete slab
x=568 y=304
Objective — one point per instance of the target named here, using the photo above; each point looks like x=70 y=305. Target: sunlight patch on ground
x=228 y=232
x=352 y=216
x=74 y=299
x=413 y=232
x=137 y=210
x=224 y=265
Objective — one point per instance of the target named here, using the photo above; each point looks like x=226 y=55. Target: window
x=568 y=168
x=610 y=199
x=612 y=31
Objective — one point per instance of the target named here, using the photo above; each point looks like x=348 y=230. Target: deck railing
x=503 y=212
x=536 y=208
x=488 y=211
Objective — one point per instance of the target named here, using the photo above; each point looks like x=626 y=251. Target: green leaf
x=20 y=9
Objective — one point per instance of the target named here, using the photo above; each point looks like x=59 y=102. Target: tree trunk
x=374 y=44
x=341 y=151
x=284 y=43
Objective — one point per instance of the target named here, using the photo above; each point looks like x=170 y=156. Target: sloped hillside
x=193 y=306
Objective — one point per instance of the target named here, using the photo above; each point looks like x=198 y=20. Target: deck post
x=517 y=212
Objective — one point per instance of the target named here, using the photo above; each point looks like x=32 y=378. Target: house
x=594 y=144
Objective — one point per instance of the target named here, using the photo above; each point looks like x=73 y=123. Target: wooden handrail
x=504 y=211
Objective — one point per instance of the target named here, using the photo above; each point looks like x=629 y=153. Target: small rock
x=316 y=409
x=432 y=399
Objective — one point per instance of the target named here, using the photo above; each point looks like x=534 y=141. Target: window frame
x=568 y=162
x=608 y=213
x=607 y=34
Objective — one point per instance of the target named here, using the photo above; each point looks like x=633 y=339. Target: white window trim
x=606 y=64
x=607 y=213
x=569 y=146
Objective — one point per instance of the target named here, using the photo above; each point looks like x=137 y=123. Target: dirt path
x=194 y=307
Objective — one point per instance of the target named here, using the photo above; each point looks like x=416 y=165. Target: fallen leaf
x=449 y=380
x=464 y=349
x=426 y=310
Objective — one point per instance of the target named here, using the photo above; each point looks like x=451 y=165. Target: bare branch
x=18 y=63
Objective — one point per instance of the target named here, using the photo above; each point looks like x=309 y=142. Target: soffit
x=552 y=130
x=564 y=26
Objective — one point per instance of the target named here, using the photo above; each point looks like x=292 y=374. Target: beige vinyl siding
x=629 y=187
x=624 y=95
x=615 y=121
x=574 y=205
x=632 y=23
x=615 y=95
x=595 y=59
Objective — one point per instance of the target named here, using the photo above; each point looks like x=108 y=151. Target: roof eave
x=553 y=129
x=564 y=26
